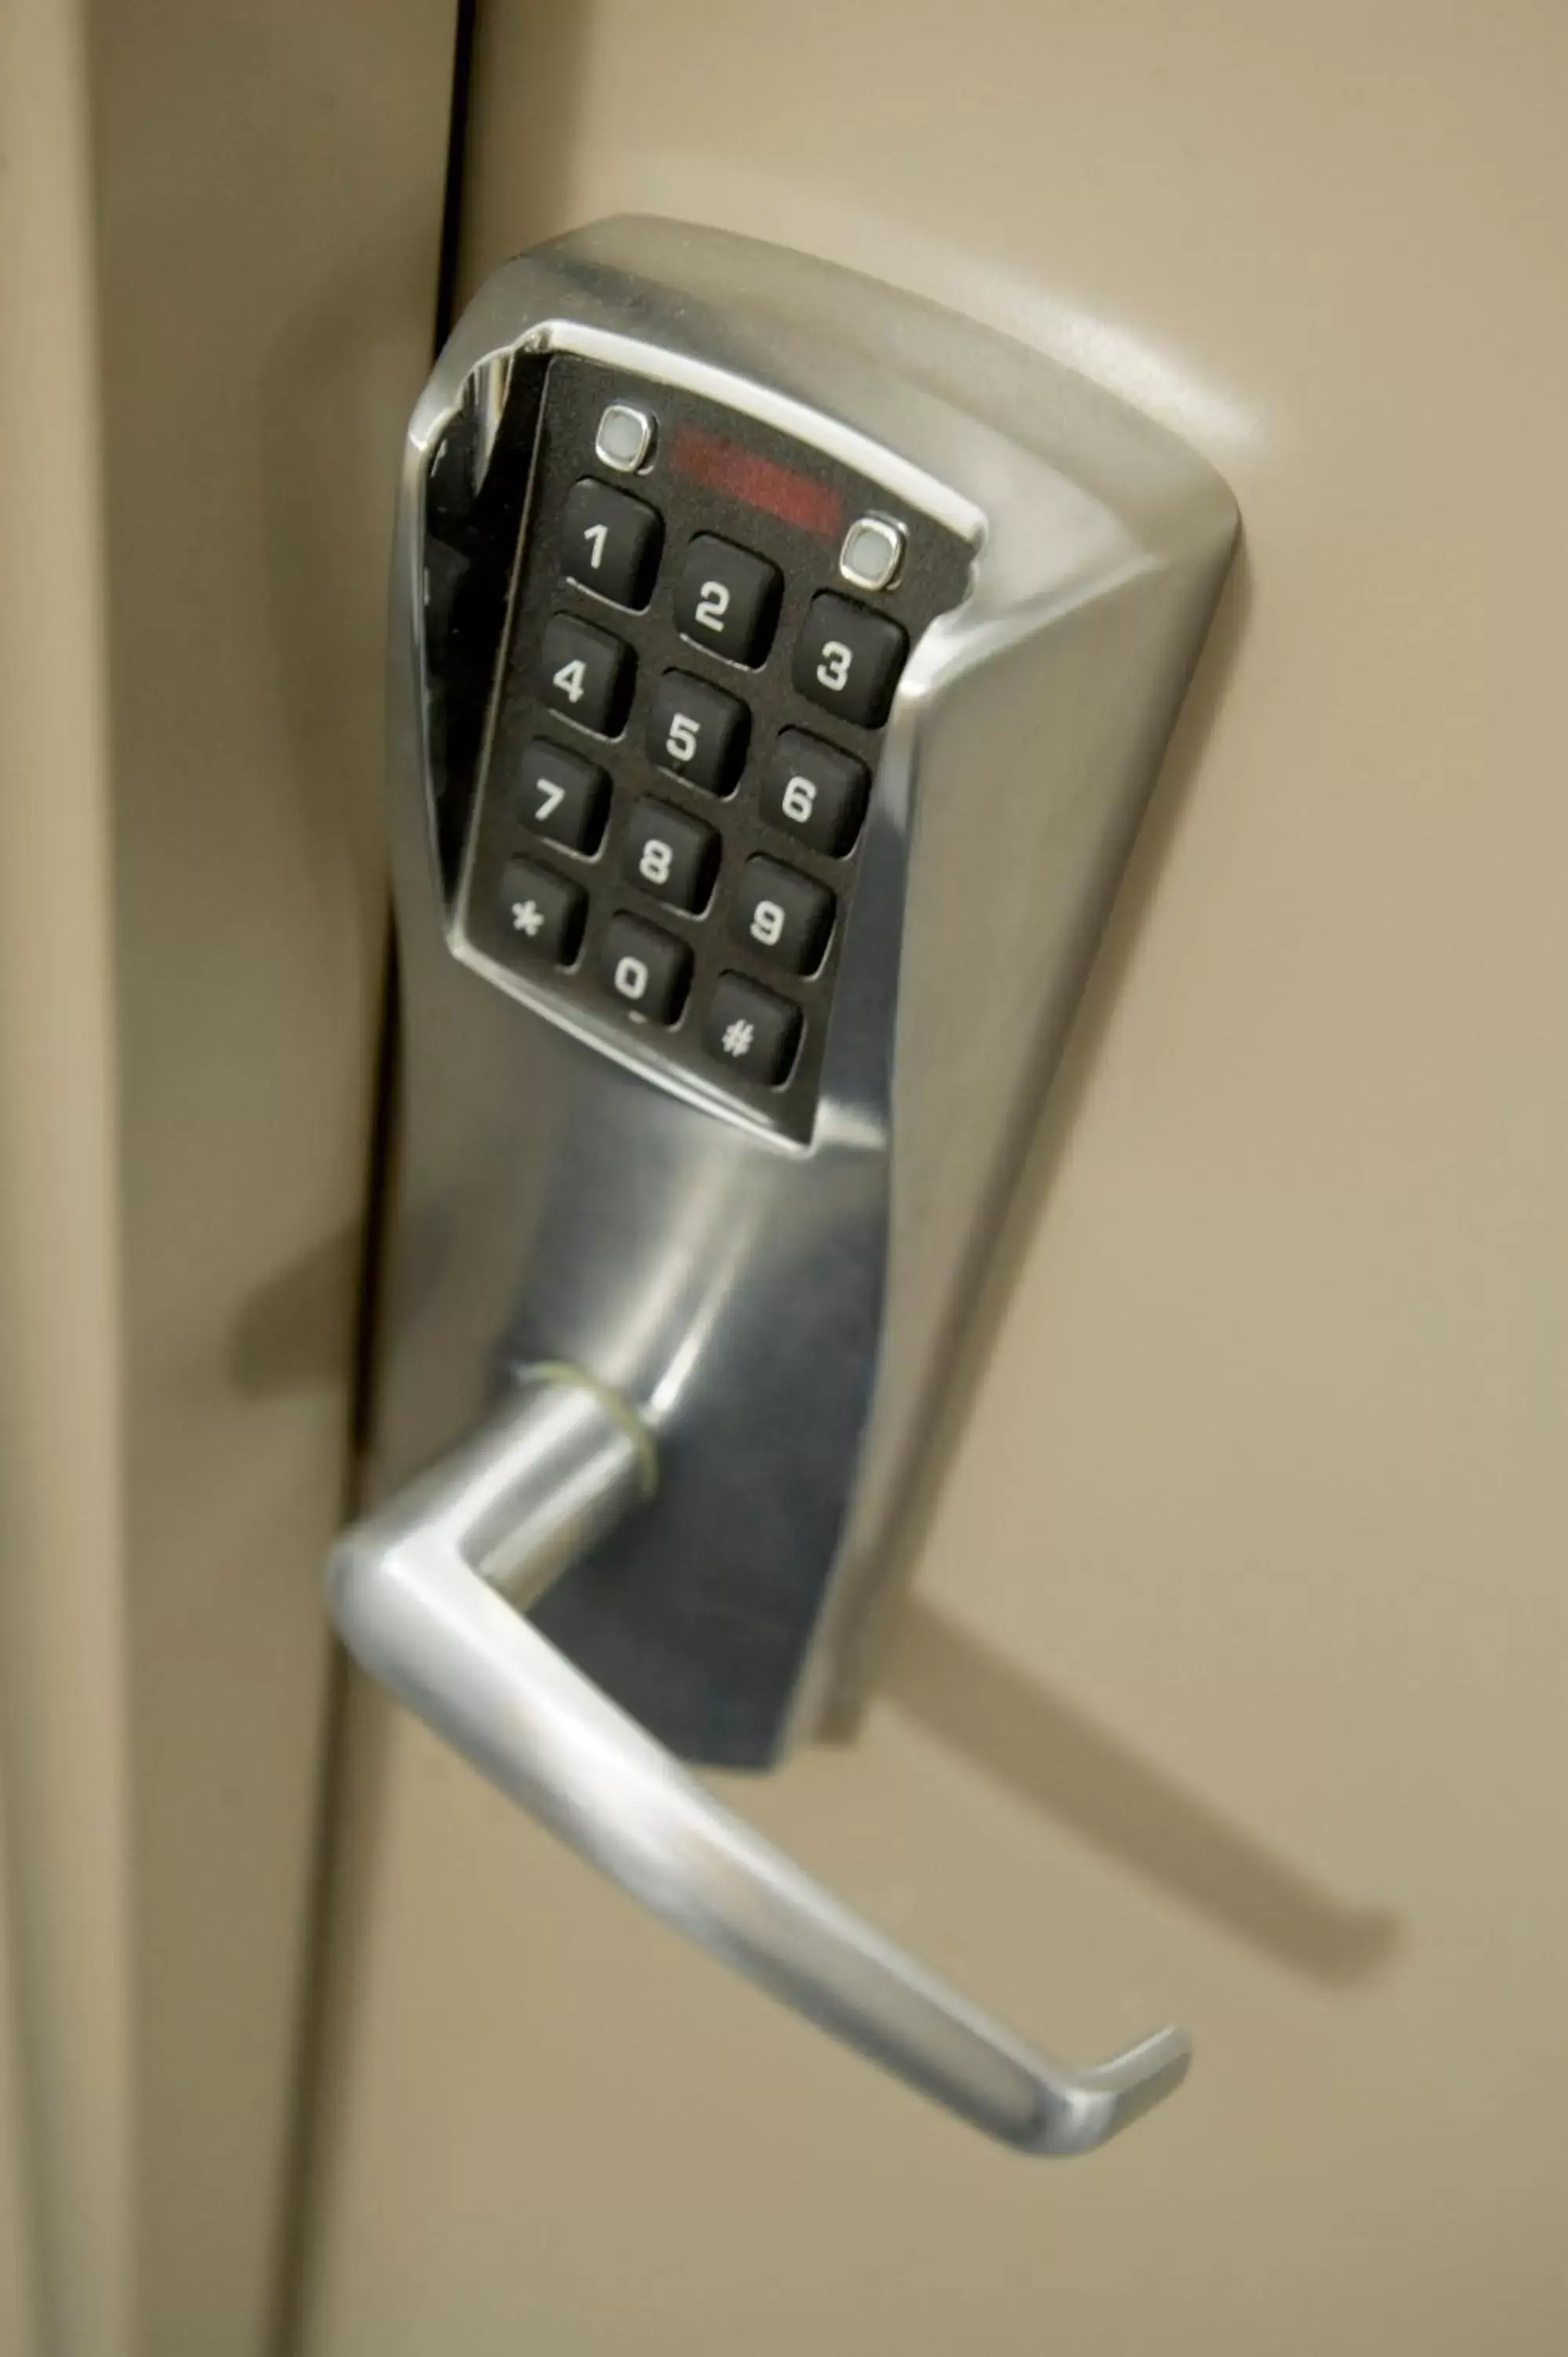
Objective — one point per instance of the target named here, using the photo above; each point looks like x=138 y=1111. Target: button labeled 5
x=698 y=732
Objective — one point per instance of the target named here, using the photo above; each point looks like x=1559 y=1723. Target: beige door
x=1233 y=1688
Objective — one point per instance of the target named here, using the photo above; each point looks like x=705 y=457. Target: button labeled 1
x=611 y=542
x=786 y=916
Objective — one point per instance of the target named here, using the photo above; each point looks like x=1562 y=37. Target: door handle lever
x=429 y=1594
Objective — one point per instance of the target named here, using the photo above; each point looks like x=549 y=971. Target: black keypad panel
x=611 y=542
x=728 y=599
x=673 y=810
x=562 y=797
x=585 y=674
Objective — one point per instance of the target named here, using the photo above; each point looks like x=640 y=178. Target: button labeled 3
x=849 y=659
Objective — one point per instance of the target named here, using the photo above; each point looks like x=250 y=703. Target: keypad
x=646 y=970
x=698 y=732
x=728 y=599
x=673 y=811
x=562 y=797
x=671 y=855
x=611 y=542
x=848 y=659
x=585 y=674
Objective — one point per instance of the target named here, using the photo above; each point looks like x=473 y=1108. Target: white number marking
x=713 y=605
x=598 y=533
x=833 y=669
x=656 y=860
x=799 y=799
x=631 y=977
x=766 y=922
x=569 y=679
x=681 y=742
x=550 y=797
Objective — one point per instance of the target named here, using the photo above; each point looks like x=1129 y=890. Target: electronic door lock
x=780 y=666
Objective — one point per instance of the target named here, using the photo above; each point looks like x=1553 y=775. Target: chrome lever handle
x=417 y=1594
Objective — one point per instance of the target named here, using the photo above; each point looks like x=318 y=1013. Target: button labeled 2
x=728 y=599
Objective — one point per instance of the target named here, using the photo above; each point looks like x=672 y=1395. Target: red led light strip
x=760 y=483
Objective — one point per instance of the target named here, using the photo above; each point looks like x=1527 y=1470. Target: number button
x=784 y=915
x=728 y=599
x=751 y=1031
x=697 y=732
x=848 y=659
x=671 y=855
x=585 y=674
x=648 y=971
x=815 y=791
x=540 y=914
x=611 y=542
x=563 y=796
